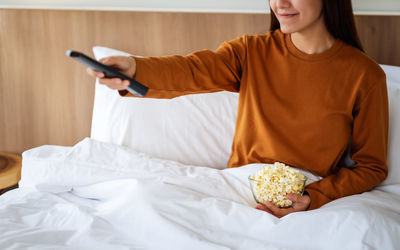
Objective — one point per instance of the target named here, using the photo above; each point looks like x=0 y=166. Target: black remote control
x=135 y=87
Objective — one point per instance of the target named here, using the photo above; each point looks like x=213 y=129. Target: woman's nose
x=282 y=4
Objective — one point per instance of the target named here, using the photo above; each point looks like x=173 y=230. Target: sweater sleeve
x=368 y=151
x=200 y=72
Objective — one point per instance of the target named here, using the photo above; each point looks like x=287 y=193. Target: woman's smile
x=286 y=16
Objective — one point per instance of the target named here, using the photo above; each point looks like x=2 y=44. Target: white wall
x=377 y=6
x=380 y=7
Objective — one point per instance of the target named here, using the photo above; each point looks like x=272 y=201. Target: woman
x=305 y=89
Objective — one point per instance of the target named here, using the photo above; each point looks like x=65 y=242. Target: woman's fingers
x=263 y=208
x=114 y=83
x=94 y=73
x=299 y=202
x=121 y=63
x=278 y=212
x=107 y=60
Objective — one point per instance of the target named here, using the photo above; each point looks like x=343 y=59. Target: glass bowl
x=276 y=192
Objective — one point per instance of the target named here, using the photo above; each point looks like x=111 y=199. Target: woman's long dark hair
x=339 y=20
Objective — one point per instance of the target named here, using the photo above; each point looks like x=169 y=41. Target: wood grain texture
x=47 y=98
x=380 y=37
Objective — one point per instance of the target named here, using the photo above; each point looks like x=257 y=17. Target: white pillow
x=392 y=75
x=394 y=137
x=393 y=81
x=198 y=129
x=192 y=129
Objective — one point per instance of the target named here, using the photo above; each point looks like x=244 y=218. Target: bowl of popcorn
x=273 y=182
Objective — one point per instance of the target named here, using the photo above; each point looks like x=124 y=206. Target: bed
x=159 y=181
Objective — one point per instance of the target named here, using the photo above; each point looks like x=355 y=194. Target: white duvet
x=102 y=196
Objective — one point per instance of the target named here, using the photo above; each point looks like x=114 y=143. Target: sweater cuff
x=123 y=92
x=317 y=199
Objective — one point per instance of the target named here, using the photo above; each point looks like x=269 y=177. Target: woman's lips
x=287 y=15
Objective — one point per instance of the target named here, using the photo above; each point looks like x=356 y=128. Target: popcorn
x=273 y=183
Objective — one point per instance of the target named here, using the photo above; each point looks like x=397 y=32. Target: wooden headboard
x=47 y=98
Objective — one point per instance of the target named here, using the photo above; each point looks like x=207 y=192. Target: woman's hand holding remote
x=125 y=64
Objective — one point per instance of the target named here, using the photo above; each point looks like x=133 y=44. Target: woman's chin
x=287 y=30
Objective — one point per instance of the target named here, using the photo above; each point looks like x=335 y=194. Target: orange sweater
x=294 y=108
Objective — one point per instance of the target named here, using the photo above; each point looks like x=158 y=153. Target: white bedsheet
x=102 y=196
